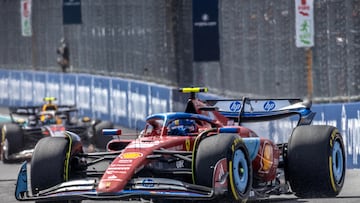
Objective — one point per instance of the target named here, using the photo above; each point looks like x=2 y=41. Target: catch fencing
x=151 y=40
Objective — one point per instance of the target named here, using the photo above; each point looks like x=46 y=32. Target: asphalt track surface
x=349 y=193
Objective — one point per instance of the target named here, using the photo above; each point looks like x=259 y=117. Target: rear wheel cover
x=336 y=164
x=239 y=172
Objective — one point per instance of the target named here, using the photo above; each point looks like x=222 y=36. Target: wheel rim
x=337 y=162
x=5 y=149
x=240 y=171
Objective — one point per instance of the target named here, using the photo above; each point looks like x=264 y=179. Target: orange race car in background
x=31 y=123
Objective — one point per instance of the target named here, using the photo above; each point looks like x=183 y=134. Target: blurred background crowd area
x=152 y=40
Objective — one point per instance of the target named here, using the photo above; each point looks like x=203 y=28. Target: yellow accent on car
x=331 y=175
x=267 y=157
x=176 y=122
x=197 y=140
x=49 y=106
x=20 y=121
x=187 y=144
x=49 y=99
x=231 y=177
x=67 y=158
x=131 y=155
x=193 y=89
x=86 y=119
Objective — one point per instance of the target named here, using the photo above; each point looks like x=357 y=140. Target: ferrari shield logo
x=187 y=145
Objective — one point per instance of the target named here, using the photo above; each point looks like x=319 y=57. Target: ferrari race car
x=206 y=153
x=29 y=124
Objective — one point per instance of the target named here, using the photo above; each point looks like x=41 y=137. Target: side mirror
x=111 y=132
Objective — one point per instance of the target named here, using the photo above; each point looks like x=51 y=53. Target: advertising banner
x=119 y=101
x=83 y=94
x=53 y=84
x=68 y=89
x=159 y=101
x=138 y=104
x=15 y=88
x=25 y=12
x=304 y=23
x=206 y=30
x=39 y=88
x=27 y=88
x=346 y=117
x=4 y=87
x=100 y=98
x=72 y=11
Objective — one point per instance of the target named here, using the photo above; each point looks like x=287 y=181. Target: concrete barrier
x=127 y=102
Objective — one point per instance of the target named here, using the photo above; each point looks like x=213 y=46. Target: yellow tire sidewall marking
x=67 y=158
x=331 y=170
x=231 y=172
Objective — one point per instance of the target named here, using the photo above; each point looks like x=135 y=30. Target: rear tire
x=230 y=146
x=50 y=164
x=12 y=141
x=316 y=161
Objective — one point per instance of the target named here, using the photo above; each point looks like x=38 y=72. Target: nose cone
x=121 y=171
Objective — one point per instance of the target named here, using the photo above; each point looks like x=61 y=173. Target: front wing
x=22 y=155
x=139 y=188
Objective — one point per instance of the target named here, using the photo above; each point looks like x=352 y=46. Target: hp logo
x=269 y=105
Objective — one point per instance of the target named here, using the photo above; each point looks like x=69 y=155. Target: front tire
x=50 y=164
x=12 y=141
x=316 y=161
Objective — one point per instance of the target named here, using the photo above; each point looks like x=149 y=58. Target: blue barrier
x=68 y=89
x=125 y=102
x=346 y=117
x=39 y=88
x=128 y=102
x=4 y=83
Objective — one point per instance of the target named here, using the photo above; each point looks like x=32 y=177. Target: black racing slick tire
x=12 y=141
x=50 y=164
x=99 y=140
x=214 y=148
x=316 y=161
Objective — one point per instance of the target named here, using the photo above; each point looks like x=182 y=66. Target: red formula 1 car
x=219 y=150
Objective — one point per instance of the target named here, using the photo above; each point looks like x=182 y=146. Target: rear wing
x=36 y=110
x=247 y=110
x=66 y=108
x=24 y=111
